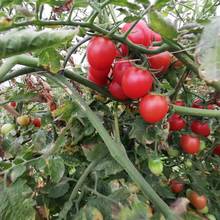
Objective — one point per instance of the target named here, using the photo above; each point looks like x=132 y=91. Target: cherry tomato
x=52 y=106
x=176 y=122
x=36 y=122
x=180 y=103
x=124 y=50
x=197 y=103
x=159 y=62
x=119 y=69
x=176 y=186
x=136 y=82
x=13 y=104
x=139 y=34
x=211 y=106
x=199 y=202
x=156 y=37
x=216 y=150
x=100 y=74
x=178 y=64
x=116 y=91
x=98 y=81
x=153 y=108
x=201 y=128
x=155 y=166
x=190 y=144
x=101 y=52
x=23 y=120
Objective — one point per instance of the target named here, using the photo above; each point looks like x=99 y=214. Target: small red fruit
x=98 y=81
x=216 y=150
x=199 y=202
x=52 y=106
x=197 y=103
x=13 y=104
x=101 y=52
x=156 y=37
x=159 y=62
x=36 y=122
x=201 y=128
x=180 y=103
x=176 y=186
x=116 y=91
x=136 y=82
x=119 y=69
x=153 y=108
x=176 y=122
x=190 y=144
x=99 y=74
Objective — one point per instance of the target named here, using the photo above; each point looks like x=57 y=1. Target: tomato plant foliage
x=109 y=110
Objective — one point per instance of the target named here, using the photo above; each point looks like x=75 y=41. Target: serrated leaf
x=109 y=166
x=18 y=42
x=39 y=140
x=17 y=172
x=16 y=202
x=208 y=52
x=50 y=59
x=164 y=27
x=56 y=168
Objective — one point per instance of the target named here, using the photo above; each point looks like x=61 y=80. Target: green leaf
x=160 y=3
x=58 y=190
x=56 y=168
x=16 y=202
x=8 y=2
x=137 y=212
x=208 y=53
x=18 y=42
x=50 y=59
x=162 y=26
x=39 y=140
x=17 y=172
x=81 y=3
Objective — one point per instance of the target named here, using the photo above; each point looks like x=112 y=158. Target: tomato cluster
x=110 y=66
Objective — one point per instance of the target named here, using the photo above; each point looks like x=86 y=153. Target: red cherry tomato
x=136 y=82
x=199 y=202
x=153 y=108
x=201 y=128
x=147 y=32
x=119 y=69
x=159 y=62
x=124 y=50
x=189 y=144
x=138 y=35
x=116 y=91
x=180 y=103
x=216 y=150
x=176 y=186
x=156 y=37
x=52 y=106
x=176 y=122
x=36 y=122
x=101 y=52
x=197 y=103
x=98 y=81
x=100 y=74
x=211 y=106
x=13 y=104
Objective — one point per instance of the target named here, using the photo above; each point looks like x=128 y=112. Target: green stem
x=117 y=151
x=196 y=111
x=116 y=124
x=20 y=59
x=68 y=205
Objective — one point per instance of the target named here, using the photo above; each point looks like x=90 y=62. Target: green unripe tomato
x=7 y=128
x=204 y=210
x=211 y=217
x=155 y=166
